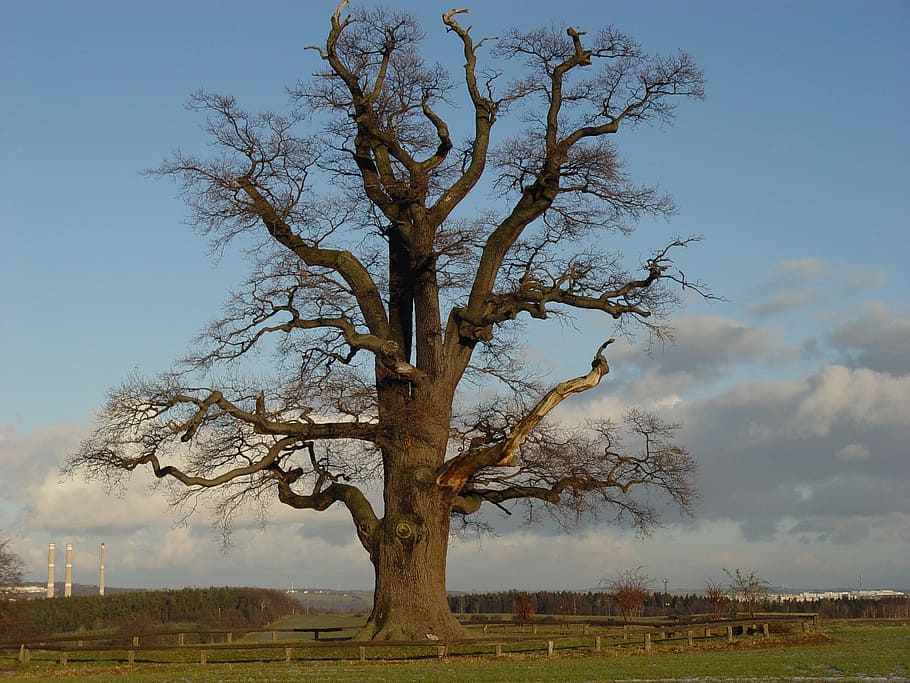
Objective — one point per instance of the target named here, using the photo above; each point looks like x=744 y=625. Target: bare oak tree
x=393 y=265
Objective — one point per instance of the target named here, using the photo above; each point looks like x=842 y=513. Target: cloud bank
x=801 y=442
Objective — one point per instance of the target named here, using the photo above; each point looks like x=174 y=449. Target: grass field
x=837 y=652
x=347 y=621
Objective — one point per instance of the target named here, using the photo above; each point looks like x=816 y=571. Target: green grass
x=349 y=622
x=839 y=652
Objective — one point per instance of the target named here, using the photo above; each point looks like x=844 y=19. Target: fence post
x=63 y=658
x=534 y=629
x=485 y=627
x=707 y=632
x=229 y=637
x=202 y=658
x=689 y=637
x=131 y=657
x=647 y=642
x=135 y=641
x=24 y=654
x=440 y=651
x=287 y=655
x=363 y=653
x=499 y=649
x=764 y=630
x=274 y=636
x=550 y=647
x=597 y=643
x=180 y=639
x=729 y=634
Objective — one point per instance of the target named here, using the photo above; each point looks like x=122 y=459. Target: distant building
x=808 y=596
x=20 y=592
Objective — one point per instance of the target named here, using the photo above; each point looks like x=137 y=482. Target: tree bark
x=409 y=547
x=409 y=600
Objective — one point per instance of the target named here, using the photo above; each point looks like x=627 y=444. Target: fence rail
x=610 y=635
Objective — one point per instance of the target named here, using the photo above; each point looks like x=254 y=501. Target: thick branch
x=344 y=263
x=455 y=473
x=320 y=499
x=375 y=146
x=537 y=197
x=633 y=86
x=485 y=109
x=387 y=351
x=163 y=471
x=361 y=511
x=261 y=423
x=574 y=474
x=365 y=519
x=442 y=132
x=589 y=283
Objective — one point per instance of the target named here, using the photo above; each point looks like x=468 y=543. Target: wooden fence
x=591 y=635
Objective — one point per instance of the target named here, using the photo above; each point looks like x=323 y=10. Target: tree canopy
x=397 y=244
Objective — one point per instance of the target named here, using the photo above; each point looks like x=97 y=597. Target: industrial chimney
x=50 y=570
x=68 y=575
x=101 y=573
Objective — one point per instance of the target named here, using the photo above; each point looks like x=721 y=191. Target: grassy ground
x=838 y=652
x=349 y=622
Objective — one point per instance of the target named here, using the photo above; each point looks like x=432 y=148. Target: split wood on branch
x=456 y=472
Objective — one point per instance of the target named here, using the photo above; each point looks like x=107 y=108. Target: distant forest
x=144 y=610
x=239 y=608
x=598 y=604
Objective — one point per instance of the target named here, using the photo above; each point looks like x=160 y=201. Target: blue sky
x=795 y=392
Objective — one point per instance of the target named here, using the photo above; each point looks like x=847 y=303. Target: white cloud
x=897 y=532
x=604 y=405
x=158 y=549
x=76 y=505
x=878 y=337
x=853 y=452
x=864 y=278
x=861 y=396
x=802 y=269
x=809 y=285
x=709 y=344
x=788 y=301
x=791 y=470
x=30 y=457
x=527 y=560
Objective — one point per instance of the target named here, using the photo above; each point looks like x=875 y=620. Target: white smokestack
x=68 y=575
x=50 y=570
x=101 y=573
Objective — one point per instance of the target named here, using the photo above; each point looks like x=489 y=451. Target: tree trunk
x=409 y=559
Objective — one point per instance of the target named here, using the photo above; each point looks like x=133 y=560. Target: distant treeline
x=600 y=604
x=145 y=610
